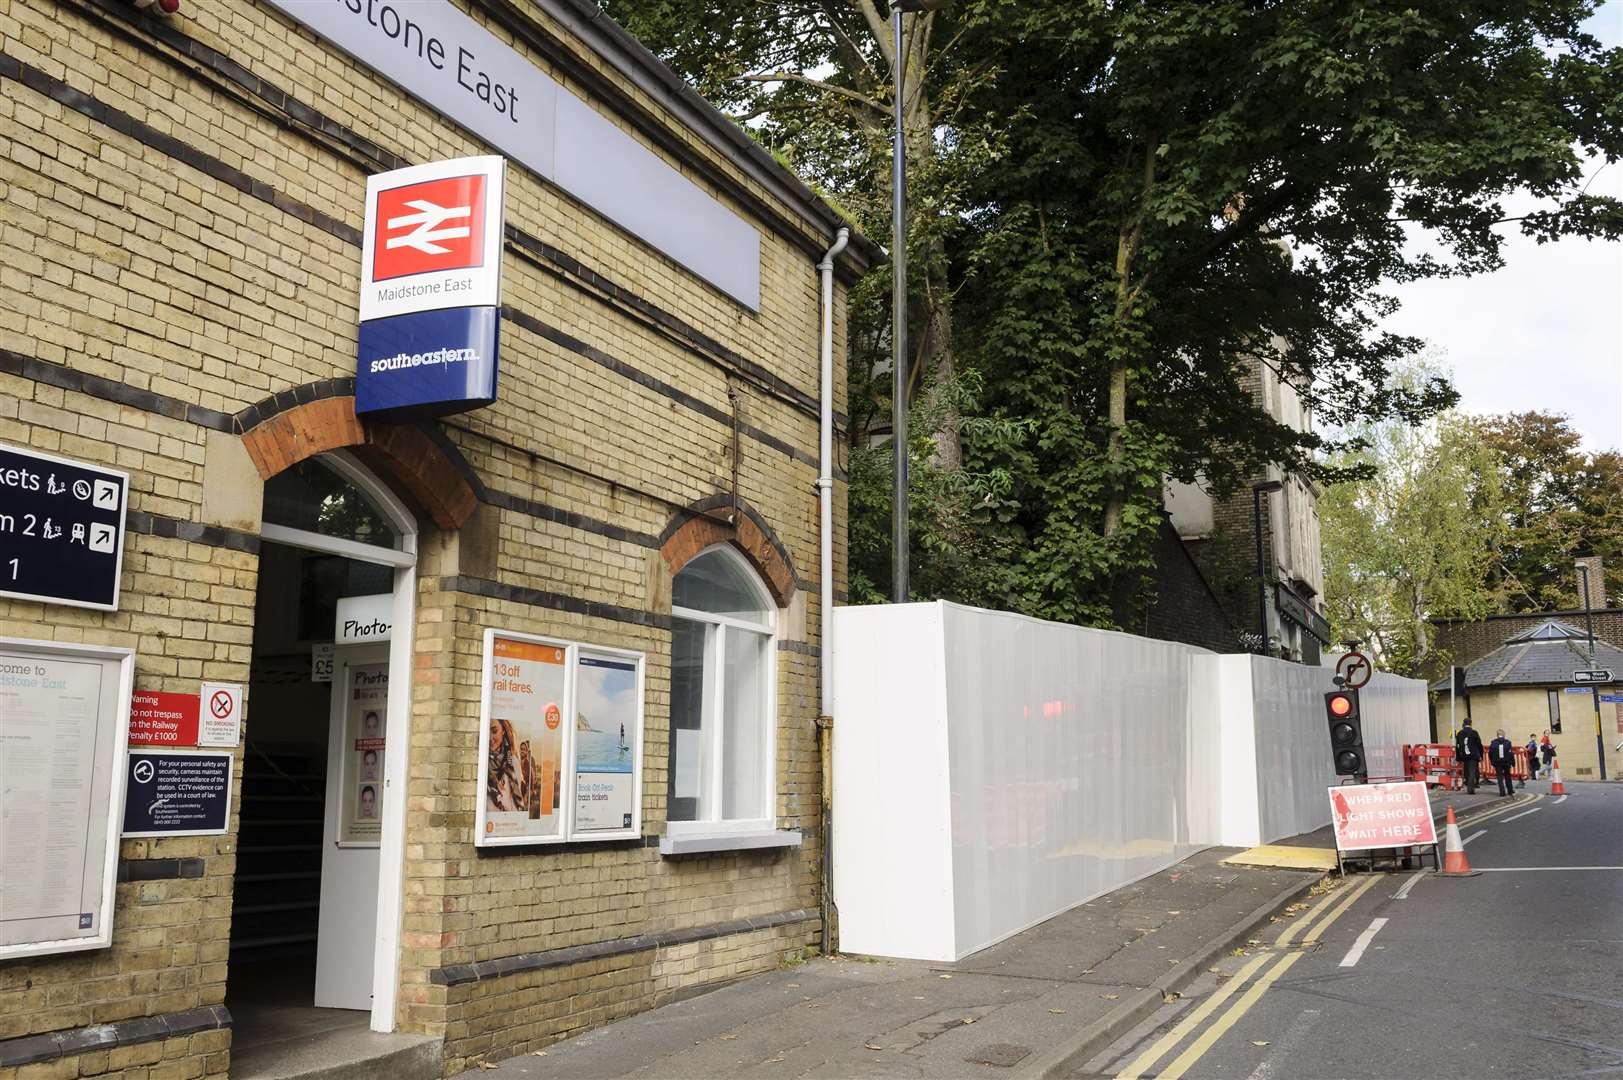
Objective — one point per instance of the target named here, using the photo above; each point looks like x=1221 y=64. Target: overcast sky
x=1546 y=332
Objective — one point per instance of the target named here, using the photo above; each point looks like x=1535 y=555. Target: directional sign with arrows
x=1595 y=675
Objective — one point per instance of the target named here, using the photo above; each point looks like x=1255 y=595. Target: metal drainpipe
x=825 y=578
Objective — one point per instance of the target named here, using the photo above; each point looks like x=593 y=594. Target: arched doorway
x=317 y=895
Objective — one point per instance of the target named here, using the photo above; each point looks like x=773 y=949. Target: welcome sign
x=430 y=285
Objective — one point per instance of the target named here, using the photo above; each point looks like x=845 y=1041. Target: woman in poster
x=504 y=790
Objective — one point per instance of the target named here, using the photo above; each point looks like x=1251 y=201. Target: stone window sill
x=698 y=843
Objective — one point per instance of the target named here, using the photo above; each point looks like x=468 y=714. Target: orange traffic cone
x=1556 y=787
x=1455 y=863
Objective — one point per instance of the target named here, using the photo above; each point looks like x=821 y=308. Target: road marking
x=1352 y=898
x=1301 y=924
x=1473 y=836
x=1202 y=1011
x=1559 y=799
x=1493 y=812
x=1538 y=869
x=1198 y=1048
x=1284 y=1048
x=1403 y=892
x=1356 y=953
x=1524 y=813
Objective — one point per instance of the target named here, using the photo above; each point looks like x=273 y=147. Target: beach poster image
x=525 y=739
x=607 y=713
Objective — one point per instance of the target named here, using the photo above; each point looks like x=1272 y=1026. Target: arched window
x=722 y=696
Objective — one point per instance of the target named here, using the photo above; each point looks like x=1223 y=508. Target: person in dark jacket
x=1502 y=755
x=1532 y=756
x=1468 y=752
x=1546 y=753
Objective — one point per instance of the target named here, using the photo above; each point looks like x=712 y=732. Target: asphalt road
x=1516 y=972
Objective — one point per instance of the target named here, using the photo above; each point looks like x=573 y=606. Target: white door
x=357 y=732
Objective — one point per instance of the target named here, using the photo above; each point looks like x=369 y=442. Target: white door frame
x=392 y=845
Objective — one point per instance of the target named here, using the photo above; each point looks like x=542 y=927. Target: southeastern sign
x=431 y=258
x=61 y=529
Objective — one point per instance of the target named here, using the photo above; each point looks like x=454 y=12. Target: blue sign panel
x=427 y=363
x=175 y=794
x=61 y=529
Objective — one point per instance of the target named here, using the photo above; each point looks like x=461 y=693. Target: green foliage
x=1561 y=503
x=1119 y=207
x=1417 y=540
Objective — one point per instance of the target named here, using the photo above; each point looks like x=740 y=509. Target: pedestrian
x=1468 y=752
x=1502 y=755
x=1532 y=755
x=1546 y=752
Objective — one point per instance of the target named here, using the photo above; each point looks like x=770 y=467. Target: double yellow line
x=1341 y=901
x=1331 y=906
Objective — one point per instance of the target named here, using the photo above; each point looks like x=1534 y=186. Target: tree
x=1126 y=203
x=1417 y=540
x=1561 y=503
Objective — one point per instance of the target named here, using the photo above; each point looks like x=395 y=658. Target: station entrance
x=309 y=920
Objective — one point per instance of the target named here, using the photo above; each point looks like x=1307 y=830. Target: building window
x=1555 y=712
x=722 y=708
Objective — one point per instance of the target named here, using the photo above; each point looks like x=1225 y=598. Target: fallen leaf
x=1057 y=1012
x=489 y=1065
x=969 y=1019
x=1087 y=971
x=1259 y=1042
x=539 y=1053
x=726 y=1038
x=871 y=1046
x=943 y=976
x=1110 y=997
x=1174 y=913
x=794 y=986
x=1169 y=996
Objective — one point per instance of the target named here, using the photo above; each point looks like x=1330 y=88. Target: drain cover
x=1003 y=1055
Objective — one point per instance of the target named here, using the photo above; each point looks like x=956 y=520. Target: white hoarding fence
x=992 y=770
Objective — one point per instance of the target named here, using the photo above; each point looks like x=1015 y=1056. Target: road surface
x=1516 y=972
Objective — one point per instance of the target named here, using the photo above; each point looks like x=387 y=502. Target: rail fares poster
x=525 y=739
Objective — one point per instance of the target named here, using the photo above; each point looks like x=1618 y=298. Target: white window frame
x=714 y=721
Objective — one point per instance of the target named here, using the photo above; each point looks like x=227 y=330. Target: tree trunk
x=1127 y=242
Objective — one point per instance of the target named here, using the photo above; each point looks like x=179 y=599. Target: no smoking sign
x=221 y=719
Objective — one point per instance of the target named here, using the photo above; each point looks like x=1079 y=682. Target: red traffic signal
x=1346 y=732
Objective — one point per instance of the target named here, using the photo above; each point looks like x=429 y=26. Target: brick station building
x=180 y=244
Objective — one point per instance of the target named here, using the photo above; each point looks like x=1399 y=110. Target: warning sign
x=221 y=714
x=1369 y=816
x=161 y=718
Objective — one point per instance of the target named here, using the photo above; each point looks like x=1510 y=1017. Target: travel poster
x=525 y=741
x=606 y=734
x=366 y=727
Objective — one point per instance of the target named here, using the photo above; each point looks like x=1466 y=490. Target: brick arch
x=430 y=470
x=722 y=519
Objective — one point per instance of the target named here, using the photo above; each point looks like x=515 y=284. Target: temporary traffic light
x=1346 y=732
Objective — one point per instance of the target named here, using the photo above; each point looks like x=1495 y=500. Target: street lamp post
x=1594 y=692
x=1257 y=492
x=899 y=592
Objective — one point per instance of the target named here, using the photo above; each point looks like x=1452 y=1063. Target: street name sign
x=61 y=529
x=1595 y=675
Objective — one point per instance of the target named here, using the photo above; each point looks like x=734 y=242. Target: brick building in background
x=1221 y=537
x=639 y=508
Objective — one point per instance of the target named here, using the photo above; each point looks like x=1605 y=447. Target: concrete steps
x=347 y=1053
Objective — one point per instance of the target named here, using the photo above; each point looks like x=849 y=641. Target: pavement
x=1041 y=1003
x=1516 y=971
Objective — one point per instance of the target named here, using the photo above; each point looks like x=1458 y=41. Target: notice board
x=64 y=719
x=562 y=724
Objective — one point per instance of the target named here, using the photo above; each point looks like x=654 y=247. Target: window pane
x=688 y=691
x=715 y=582
x=743 y=749
x=314 y=498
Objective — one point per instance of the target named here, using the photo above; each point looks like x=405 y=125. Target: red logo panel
x=431 y=226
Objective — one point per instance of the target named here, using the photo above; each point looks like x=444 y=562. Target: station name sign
x=61 y=529
x=439 y=54
x=431 y=258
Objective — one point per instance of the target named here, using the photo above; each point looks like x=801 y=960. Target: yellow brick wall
x=149 y=268
x=1521 y=710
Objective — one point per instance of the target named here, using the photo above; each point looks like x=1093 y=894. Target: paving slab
x=992 y=1014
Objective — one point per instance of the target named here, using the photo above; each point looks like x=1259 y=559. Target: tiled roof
x=1547 y=654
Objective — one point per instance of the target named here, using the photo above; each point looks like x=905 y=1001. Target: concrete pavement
x=1517 y=972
